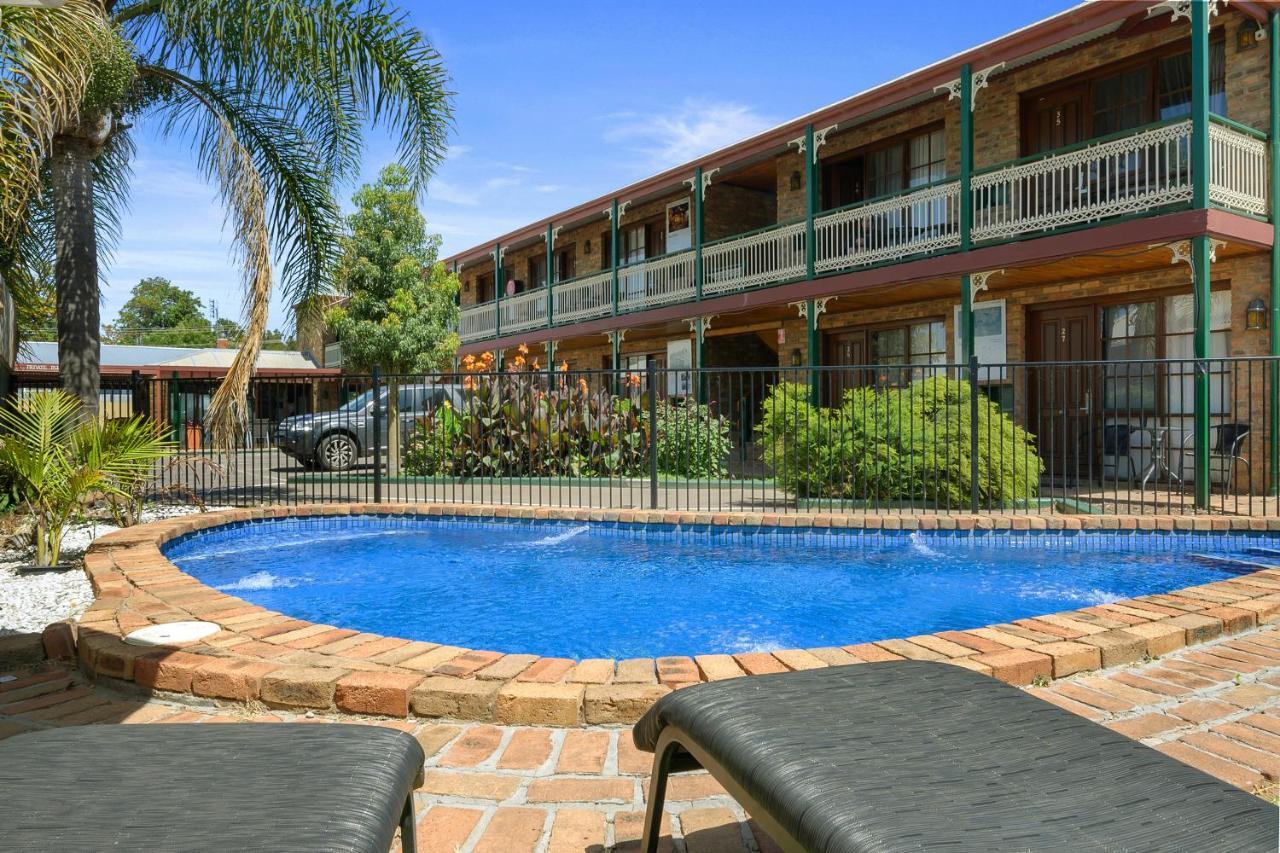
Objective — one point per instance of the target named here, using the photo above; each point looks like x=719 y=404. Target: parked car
x=335 y=440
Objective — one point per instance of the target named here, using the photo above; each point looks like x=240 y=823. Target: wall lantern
x=795 y=180
x=588 y=247
x=1255 y=316
x=795 y=357
x=1247 y=36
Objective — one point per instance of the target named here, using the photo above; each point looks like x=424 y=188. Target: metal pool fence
x=1092 y=437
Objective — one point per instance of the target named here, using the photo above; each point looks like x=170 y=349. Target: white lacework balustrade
x=1238 y=170
x=660 y=281
x=583 y=298
x=1140 y=172
x=926 y=220
x=477 y=322
x=753 y=260
x=524 y=311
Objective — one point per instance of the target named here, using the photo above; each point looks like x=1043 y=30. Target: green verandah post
x=697 y=233
x=1273 y=48
x=1200 y=245
x=966 y=212
x=551 y=275
x=812 y=343
x=499 y=285
x=613 y=250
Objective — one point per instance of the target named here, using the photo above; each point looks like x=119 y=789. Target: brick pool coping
x=268 y=658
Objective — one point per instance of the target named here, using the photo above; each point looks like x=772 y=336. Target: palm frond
x=46 y=61
x=331 y=65
x=226 y=160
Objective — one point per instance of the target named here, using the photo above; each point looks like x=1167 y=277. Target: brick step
x=31 y=686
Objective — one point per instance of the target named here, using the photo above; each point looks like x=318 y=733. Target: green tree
x=400 y=315
x=159 y=313
x=272 y=96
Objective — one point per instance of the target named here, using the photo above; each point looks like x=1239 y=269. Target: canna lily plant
x=58 y=459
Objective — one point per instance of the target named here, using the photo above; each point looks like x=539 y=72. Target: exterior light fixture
x=587 y=247
x=1247 y=36
x=795 y=357
x=1255 y=316
x=795 y=180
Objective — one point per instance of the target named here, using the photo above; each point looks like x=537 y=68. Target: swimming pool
x=583 y=590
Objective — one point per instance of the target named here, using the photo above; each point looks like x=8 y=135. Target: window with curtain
x=916 y=344
x=1173 y=95
x=1124 y=100
x=1129 y=333
x=1179 y=343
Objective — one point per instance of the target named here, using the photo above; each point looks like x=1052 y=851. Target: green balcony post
x=700 y=345
x=551 y=275
x=966 y=209
x=613 y=250
x=1200 y=245
x=697 y=233
x=615 y=337
x=1273 y=140
x=812 y=346
x=499 y=285
x=810 y=202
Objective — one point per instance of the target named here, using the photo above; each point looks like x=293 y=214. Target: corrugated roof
x=33 y=353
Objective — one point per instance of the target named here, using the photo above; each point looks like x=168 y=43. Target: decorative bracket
x=498 y=255
x=555 y=234
x=622 y=210
x=819 y=307
x=979 y=279
x=1179 y=9
x=620 y=334
x=977 y=80
x=706 y=181
x=819 y=139
x=700 y=325
x=1180 y=252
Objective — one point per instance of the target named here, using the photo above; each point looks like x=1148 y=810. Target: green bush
x=692 y=442
x=898 y=444
x=511 y=427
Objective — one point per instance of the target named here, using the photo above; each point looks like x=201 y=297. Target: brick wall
x=730 y=210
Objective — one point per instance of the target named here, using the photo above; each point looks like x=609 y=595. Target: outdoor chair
x=916 y=755
x=1225 y=450
x=208 y=787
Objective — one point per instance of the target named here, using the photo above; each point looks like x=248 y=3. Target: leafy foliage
x=58 y=459
x=898 y=444
x=692 y=440
x=510 y=426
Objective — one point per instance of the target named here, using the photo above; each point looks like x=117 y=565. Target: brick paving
x=508 y=788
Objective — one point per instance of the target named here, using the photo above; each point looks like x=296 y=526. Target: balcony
x=1136 y=173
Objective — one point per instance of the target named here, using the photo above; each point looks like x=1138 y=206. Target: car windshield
x=358 y=404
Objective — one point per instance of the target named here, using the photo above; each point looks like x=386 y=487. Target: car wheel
x=336 y=452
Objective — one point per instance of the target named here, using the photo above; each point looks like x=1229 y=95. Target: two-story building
x=1097 y=186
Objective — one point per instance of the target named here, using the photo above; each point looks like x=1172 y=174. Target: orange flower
x=564 y=367
x=469 y=383
x=522 y=349
x=582 y=385
x=633 y=380
x=535 y=365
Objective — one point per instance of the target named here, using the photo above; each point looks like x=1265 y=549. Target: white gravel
x=31 y=600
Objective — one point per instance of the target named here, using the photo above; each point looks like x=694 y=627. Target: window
x=1128 y=99
x=484 y=288
x=538 y=272
x=906 y=162
x=1163 y=329
x=566 y=264
x=915 y=344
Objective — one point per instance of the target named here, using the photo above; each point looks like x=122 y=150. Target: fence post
x=973 y=433
x=377 y=438
x=651 y=378
x=136 y=391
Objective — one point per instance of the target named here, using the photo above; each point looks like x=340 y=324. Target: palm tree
x=272 y=96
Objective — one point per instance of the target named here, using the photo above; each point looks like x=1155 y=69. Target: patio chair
x=915 y=755
x=279 y=787
x=1225 y=443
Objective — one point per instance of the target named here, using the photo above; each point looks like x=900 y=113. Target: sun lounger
x=208 y=787
x=920 y=756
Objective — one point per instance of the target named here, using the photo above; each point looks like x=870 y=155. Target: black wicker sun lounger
x=208 y=787
x=922 y=756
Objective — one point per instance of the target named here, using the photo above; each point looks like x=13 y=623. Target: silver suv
x=335 y=440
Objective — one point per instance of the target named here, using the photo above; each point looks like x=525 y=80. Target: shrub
x=58 y=459
x=901 y=444
x=509 y=426
x=692 y=442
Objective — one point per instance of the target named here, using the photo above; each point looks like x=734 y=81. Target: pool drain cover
x=172 y=634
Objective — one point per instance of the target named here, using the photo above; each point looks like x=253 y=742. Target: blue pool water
x=578 y=590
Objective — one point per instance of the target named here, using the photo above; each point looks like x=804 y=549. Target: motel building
x=1098 y=186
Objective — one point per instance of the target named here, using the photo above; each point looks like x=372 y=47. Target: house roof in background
x=43 y=354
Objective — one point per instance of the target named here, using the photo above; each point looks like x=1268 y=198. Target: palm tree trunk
x=393 y=426
x=76 y=269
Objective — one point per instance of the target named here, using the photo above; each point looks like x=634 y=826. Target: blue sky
x=558 y=102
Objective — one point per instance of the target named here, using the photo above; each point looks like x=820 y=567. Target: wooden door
x=1064 y=392
x=1054 y=120
x=844 y=350
x=841 y=183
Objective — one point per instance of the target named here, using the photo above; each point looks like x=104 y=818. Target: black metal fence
x=1078 y=438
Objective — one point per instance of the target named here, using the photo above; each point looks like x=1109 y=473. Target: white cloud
x=694 y=128
x=449 y=193
x=547 y=188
